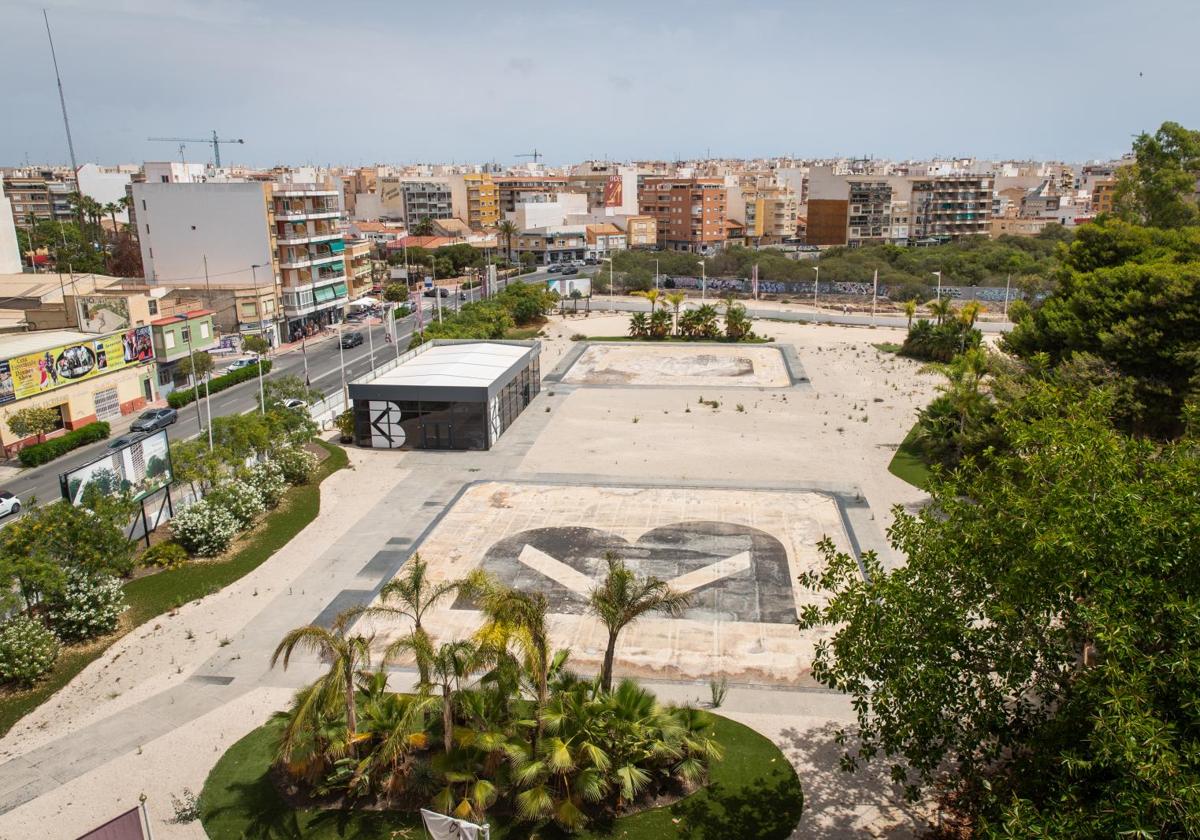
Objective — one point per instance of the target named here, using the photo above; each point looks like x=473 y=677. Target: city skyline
x=1072 y=83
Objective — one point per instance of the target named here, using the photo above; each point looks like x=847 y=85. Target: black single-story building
x=449 y=395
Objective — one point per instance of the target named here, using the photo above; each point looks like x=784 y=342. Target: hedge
x=182 y=397
x=43 y=453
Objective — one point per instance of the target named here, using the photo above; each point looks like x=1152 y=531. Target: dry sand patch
x=699 y=365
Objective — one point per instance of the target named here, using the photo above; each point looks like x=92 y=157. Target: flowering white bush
x=88 y=606
x=298 y=464
x=204 y=529
x=267 y=478
x=240 y=499
x=27 y=650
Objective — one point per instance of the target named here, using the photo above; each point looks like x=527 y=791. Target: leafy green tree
x=256 y=344
x=395 y=293
x=423 y=228
x=34 y=420
x=1129 y=296
x=1037 y=652
x=348 y=656
x=197 y=366
x=288 y=387
x=1159 y=189
x=622 y=598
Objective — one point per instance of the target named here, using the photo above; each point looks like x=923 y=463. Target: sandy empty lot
x=700 y=365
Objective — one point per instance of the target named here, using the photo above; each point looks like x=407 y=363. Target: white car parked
x=9 y=503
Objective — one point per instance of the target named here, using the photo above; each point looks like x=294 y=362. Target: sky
x=359 y=82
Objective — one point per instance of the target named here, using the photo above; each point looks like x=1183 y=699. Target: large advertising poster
x=99 y=314
x=139 y=469
x=613 y=191
x=36 y=373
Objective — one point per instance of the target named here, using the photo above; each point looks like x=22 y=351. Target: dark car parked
x=438 y=292
x=570 y=269
x=352 y=339
x=155 y=419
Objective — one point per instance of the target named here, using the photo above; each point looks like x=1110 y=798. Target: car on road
x=570 y=269
x=555 y=268
x=238 y=364
x=352 y=339
x=124 y=440
x=9 y=503
x=591 y=261
x=439 y=292
x=295 y=404
x=155 y=419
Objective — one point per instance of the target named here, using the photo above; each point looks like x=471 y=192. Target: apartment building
x=770 y=214
x=951 y=206
x=266 y=257
x=553 y=244
x=641 y=232
x=1103 y=192
x=611 y=189
x=10 y=252
x=1041 y=202
x=475 y=199
x=43 y=195
x=358 y=266
x=603 y=239
x=512 y=190
x=689 y=213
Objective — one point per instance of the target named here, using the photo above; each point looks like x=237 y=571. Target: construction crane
x=535 y=154
x=214 y=140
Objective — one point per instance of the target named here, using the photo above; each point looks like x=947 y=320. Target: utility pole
x=816 y=283
x=1007 y=286
x=62 y=100
x=874 y=295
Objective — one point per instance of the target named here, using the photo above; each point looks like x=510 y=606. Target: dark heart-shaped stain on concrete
x=733 y=572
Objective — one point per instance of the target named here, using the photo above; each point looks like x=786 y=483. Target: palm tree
x=348 y=656
x=652 y=295
x=449 y=665
x=111 y=210
x=941 y=308
x=411 y=594
x=520 y=618
x=910 y=309
x=970 y=312
x=508 y=230
x=676 y=300
x=622 y=599
x=639 y=325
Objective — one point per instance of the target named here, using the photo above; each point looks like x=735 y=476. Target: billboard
x=139 y=468
x=613 y=191
x=100 y=314
x=36 y=373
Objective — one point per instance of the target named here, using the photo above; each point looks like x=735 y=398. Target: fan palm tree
x=348 y=656
x=639 y=326
x=516 y=617
x=624 y=597
x=111 y=210
x=411 y=594
x=910 y=310
x=676 y=299
x=508 y=230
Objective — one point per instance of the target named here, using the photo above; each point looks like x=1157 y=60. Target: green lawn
x=908 y=464
x=155 y=594
x=754 y=795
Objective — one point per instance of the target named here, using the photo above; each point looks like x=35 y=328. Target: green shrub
x=28 y=650
x=345 y=425
x=931 y=342
x=165 y=555
x=47 y=451
x=239 y=498
x=298 y=465
x=185 y=396
x=266 y=477
x=204 y=529
x=88 y=606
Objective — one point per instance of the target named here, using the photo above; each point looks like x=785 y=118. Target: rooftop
x=476 y=364
x=20 y=344
x=180 y=316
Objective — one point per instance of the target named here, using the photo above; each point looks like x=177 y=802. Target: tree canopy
x=1159 y=189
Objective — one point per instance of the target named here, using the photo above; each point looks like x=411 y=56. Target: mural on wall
x=35 y=373
x=100 y=314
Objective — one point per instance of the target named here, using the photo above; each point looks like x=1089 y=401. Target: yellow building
x=1103 y=192
x=475 y=199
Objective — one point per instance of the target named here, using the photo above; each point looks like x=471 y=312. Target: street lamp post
x=703 y=282
x=1007 y=286
x=939 y=285
x=816 y=283
x=610 y=279
x=342 y=364
x=262 y=396
x=656 y=274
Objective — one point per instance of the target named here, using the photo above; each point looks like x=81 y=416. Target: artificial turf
x=753 y=794
x=908 y=464
x=155 y=594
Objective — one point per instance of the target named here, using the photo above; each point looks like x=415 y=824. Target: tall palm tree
x=348 y=655
x=508 y=230
x=652 y=295
x=622 y=599
x=676 y=299
x=111 y=210
x=449 y=666
x=910 y=309
x=411 y=594
x=520 y=618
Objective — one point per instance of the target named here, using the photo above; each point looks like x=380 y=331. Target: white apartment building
x=542 y=213
x=274 y=252
x=173 y=172
x=106 y=184
x=10 y=253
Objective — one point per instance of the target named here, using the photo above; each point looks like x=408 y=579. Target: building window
x=185 y=334
x=168 y=340
x=152 y=305
x=204 y=330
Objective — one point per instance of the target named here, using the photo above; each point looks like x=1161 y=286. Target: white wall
x=178 y=224
x=173 y=172
x=10 y=256
x=106 y=187
x=538 y=214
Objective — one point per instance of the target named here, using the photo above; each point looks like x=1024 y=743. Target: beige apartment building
x=475 y=199
x=951 y=206
x=641 y=231
x=770 y=214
